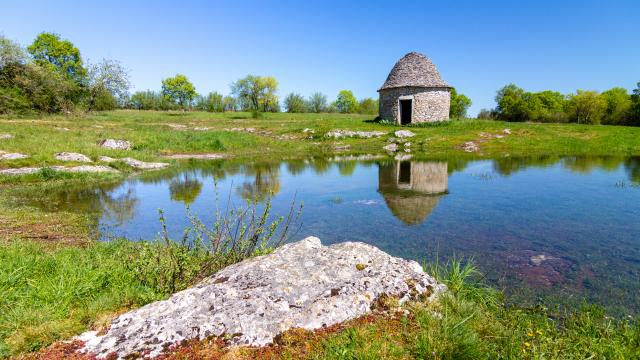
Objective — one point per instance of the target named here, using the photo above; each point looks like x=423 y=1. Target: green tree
x=368 y=106
x=635 y=106
x=213 y=102
x=294 y=103
x=346 y=103
x=256 y=93
x=586 y=107
x=108 y=84
x=459 y=105
x=13 y=63
x=49 y=50
x=511 y=104
x=317 y=102
x=545 y=106
x=179 y=90
x=230 y=103
x=486 y=114
x=618 y=106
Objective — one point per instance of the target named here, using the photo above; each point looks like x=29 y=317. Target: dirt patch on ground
x=292 y=344
x=45 y=229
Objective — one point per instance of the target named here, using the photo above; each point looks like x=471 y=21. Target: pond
x=546 y=230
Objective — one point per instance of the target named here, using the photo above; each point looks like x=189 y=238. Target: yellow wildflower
x=527 y=344
x=539 y=332
x=529 y=334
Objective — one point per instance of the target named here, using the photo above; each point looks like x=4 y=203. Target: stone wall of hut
x=429 y=104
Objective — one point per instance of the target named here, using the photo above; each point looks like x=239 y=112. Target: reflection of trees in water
x=266 y=182
x=511 y=165
x=185 y=188
x=586 y=164
x=412 y=189
x=346 y=168
x=101 y=201
x=632 y=165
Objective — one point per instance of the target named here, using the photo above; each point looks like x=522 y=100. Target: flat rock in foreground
x=300 y=285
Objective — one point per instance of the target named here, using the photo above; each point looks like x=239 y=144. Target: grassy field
x=280 y=135
x=52 y=290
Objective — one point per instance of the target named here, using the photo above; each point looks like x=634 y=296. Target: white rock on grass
x=470 y=146
x=507 y=131
x=69 y=156
x=391 y=147
x=85 y=169
x=404 y=134
x=211 y=156
x=6 y=136
x=12 y=156
x=144 y=165
x=72 y=169
x=116 y=144
x=20 y=171
x=337 y=134
x=300 y=285
x=106 y=159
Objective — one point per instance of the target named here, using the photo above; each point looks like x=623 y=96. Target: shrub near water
x=54 y=294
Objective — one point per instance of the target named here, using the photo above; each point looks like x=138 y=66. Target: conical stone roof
x=416 y=70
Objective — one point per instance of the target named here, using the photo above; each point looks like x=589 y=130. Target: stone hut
x=414 y=92
x=412 y=189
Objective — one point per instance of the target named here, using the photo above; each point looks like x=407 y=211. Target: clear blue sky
x=332 y=45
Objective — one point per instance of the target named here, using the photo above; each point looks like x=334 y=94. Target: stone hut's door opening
x=405 y=111
x=404 y=176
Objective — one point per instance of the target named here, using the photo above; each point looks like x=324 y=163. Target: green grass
x=471 y=322
x=280 y=135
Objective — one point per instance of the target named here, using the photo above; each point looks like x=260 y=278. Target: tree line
x=615 y=106
x=50 y=76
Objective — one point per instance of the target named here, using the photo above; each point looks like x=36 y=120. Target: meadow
x=59 y=281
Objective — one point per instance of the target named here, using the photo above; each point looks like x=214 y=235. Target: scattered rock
x=73 y=169
x=106 y=159
x=402 y=157
x=404 y=134
x=143 y=165
x=407 y=144
x=392 y=140
x=337 y=134
x=507 y=131
x=62 y=128
x=85 y=169
x=470 y=146
x=249 y=130
x=98 y=126
x=391 y=147
x=20 y=171
x=300 y=285
x=6 y=136
x=407 y=150
x=201 y=128
x=116 y=144
x=177 y=126
x=12 y=156
x=69 y=156
x=498 y=136
x=310 y=131
x=195 y=156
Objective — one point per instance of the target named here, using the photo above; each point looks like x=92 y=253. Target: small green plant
x=169 y=265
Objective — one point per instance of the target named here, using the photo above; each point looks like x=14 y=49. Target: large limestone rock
x=338 y=134
x=300 y=285
x=138 y=164
x=69 y=156
x=12 y=156
x=115 y=144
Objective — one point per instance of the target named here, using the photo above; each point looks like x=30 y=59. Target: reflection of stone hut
x=414 y=92
x=412 y=189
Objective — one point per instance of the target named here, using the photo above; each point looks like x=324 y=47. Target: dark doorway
x=405 y=172
x=405 y=112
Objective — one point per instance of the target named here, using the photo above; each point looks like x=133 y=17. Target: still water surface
x=546 y=230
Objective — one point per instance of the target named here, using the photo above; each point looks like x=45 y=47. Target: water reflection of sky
x=559 y=229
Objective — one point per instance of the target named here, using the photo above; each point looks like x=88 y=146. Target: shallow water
x=547 y=230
